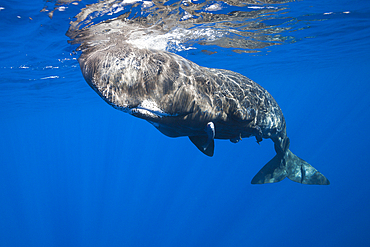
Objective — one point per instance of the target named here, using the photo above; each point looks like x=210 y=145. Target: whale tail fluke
x=291 y=166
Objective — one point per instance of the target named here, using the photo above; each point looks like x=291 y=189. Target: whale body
x=181 y=98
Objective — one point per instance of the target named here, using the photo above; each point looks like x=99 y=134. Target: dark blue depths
x=76 y=172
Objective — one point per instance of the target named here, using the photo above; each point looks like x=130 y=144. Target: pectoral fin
x=202 y=143
x=206 y=143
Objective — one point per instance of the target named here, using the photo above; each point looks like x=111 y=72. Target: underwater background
x=76 y=172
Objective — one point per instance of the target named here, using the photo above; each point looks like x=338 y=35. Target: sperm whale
x=181 y=98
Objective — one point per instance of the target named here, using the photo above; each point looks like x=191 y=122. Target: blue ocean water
x=76 y=172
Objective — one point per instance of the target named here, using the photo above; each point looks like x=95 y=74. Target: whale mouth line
x=149 y=109
x=150 y=113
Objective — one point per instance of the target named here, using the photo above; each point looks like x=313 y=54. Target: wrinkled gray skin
x=180 y=98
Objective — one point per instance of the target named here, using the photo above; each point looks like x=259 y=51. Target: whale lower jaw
x=147 y=109
x=142 y=112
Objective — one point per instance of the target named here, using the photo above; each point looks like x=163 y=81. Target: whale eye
x=251 y=113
